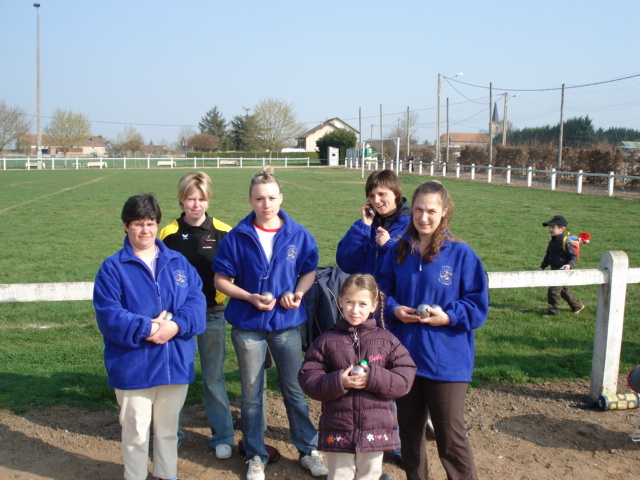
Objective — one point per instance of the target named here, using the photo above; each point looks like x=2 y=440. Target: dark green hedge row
x=253 y=154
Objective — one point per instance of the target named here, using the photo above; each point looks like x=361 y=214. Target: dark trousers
x=555 y=294
x=445 y=402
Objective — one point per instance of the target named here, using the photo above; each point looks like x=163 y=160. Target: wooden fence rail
x=613 y=276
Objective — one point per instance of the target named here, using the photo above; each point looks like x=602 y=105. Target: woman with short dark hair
x=149 y=307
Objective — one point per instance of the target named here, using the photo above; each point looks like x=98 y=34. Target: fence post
x=444 y=169
x=217 y=162
x=285 y=162
x=489 y=170
x=308 y=162
x=610 y=184
x=473 y=171
x=53 y=160
x=457 y=170
x=240 y=162
x=171 y=160
x=124 y=163
x=553 y=179
x=431 y=169
x=579 y=182
x=148 y=163
x=529 y=175
x=420 y=167
x=4 y=163
x=609 y=322
x=508 y=174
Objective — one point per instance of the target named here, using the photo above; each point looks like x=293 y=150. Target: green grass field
x=58 y=226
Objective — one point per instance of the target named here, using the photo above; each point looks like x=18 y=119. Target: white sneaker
x=223 y=451
x=314 y=463
x=256 y=469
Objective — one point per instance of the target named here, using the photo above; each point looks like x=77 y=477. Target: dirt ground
x=517 y=432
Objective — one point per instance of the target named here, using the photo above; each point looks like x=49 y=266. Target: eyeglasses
x=140 y=225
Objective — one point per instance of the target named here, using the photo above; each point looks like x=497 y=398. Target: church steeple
x=495 y=117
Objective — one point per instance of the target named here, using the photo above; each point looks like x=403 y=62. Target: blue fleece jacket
x=456 y=281
x=358 y=251
x=240 y=256
x=126 y=297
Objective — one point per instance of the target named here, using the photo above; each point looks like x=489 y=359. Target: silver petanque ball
x=357 y=369
x=268 y=299
x=168 y=316
x=421 y=310
x=289 y=294
x=436 y=307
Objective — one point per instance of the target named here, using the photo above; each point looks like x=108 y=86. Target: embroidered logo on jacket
x=446 y=275
x=292 y=253
x=185 y=236
x=207 y=241
x=374 y=358
x=180 y=276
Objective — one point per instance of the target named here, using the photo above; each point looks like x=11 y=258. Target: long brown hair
x=410 y=246
x=365 y=281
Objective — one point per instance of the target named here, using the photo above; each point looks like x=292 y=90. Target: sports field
x=58 y=226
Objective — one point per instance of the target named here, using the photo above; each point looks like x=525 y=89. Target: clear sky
x=159 y=65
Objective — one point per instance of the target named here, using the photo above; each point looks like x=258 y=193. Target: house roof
x=329 y=122
x=89 y=141
x=466 y=137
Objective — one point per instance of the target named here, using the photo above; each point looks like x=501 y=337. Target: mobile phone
x=372 y=212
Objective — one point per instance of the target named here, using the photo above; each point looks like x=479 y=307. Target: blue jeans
x=211 y=346
x=286 y=350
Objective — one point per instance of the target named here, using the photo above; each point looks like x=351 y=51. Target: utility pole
x=408 y=135
x=438 y=124
x=38 y=115
x=490 y=124
x=504 y=121
x=561 y=129
x=447 y=160
x=381 y=141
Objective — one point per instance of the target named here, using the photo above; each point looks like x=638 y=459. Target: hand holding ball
x=268 y=297
x=421 y=310
x=290 y=295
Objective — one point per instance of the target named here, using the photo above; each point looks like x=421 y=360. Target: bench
x=37 y=165
x=97 y=164
x=166 y=163
x=228 y=162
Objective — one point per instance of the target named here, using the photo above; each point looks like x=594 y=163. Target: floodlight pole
x=38 y=116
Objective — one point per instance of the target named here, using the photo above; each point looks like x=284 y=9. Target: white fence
x=445 y=169
x=613 y=276
x=30 y=163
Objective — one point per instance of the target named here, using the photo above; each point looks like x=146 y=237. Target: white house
x=307 y=140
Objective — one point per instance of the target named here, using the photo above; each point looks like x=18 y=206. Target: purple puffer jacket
x=354 y=420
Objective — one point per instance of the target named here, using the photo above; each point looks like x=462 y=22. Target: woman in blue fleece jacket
x=269 y=252
x=429 y=266
x=148 y=353
x=385 y=216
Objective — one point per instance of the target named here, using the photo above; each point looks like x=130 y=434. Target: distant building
x=92 y=145
x=151 y=150
x=307 y=140
x=461 y=140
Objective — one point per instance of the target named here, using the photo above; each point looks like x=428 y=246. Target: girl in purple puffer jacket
x=358 y=421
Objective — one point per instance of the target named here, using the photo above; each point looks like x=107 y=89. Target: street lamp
x=39 y=135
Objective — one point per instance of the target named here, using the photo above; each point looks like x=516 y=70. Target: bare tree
x=13 y=124
x=130 y=141
x=400 y=130
x=204 y=142
x=67 y=129
x=278 y=126
x=186 y=132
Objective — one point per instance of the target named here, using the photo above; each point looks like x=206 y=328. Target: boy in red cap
x=561 y=255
